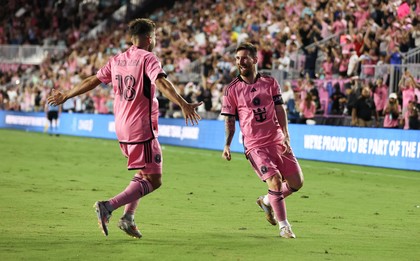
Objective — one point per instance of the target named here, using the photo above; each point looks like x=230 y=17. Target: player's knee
x=274 y=182
x=154 y=180
x=156 y=183
x=297 y=186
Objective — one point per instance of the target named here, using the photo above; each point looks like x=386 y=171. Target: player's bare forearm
x=169 y=91
x=188 y=109
x=229 y=129
x=86 y=85
x=282 y=118
x=59 y=97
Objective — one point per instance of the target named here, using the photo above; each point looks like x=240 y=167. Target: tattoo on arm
x=229 y=129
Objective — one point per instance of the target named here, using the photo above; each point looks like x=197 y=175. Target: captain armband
x=278 y=100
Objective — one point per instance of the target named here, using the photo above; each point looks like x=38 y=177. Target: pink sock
x=131 y=207
x=278 y=204
x=137 y=188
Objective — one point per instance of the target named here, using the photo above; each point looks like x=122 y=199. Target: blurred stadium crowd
x=321 y=52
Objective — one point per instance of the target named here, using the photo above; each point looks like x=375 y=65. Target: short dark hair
x=141 y=26
x=249 y=47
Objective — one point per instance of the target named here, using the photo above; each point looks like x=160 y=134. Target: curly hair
x=141 y=27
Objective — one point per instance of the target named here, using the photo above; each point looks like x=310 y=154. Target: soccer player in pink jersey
x=134 y=75
x=256 y=100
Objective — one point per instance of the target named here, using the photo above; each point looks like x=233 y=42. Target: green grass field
x=205 y=209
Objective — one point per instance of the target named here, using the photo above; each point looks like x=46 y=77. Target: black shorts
x=52 y=115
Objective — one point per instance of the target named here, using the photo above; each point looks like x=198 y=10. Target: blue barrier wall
x=398 y=149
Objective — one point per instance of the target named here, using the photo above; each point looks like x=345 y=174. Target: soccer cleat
x=286 y=232
x=129 y=227
x=269 y=214
x=103 y=216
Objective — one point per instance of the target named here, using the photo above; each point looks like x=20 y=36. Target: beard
x=244 y=71
x=151 y=47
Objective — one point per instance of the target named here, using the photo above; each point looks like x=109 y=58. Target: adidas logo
x=253 y=90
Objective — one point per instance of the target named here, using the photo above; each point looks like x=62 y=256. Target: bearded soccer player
x=256 y=100
x=134 y=75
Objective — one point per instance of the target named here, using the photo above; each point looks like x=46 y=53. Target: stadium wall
x=389 y=148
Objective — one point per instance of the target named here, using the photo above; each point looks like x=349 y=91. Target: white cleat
x=286 y=232
x=268 y=210
x=129 y=227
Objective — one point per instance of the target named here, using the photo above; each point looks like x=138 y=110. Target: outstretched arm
x=229 y=132
x=59 y=96
x=188 y=109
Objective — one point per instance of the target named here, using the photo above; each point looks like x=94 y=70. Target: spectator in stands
x=368 y=61
x=369 y=40
x=403 y=39
x=352 y=69
x=168 y=66
x=339 y=24
x=410 y=119
x=380 y=92
x=163 y=105
x=88 y=104
x=382 y=68
x=327 y=67
x=396 y=55
x=358 y=43
x=343 y=60
x=68 y=106
x=3 y=100
x=307 y=109
x=313 y=90
x=415 y=32
x=265 y=54
x=364 y=109
x=204 y=95
x=292 y=108
x=135 y=74
x=351 y=98
x=284 y=64
x=14 y=95
x=338 y=100
x=207 y=68
x=392 y=112
x=407 y=87
x=287 y=92
x=348 y=45
x=311 y=55
x=38 y=106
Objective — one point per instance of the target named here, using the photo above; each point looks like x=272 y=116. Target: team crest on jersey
x=158 y=158
x=260 y=114
x=264 y=169
x=256 y=101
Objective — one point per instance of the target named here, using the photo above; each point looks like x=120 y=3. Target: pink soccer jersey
x=254 y=105
x=133 y=75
